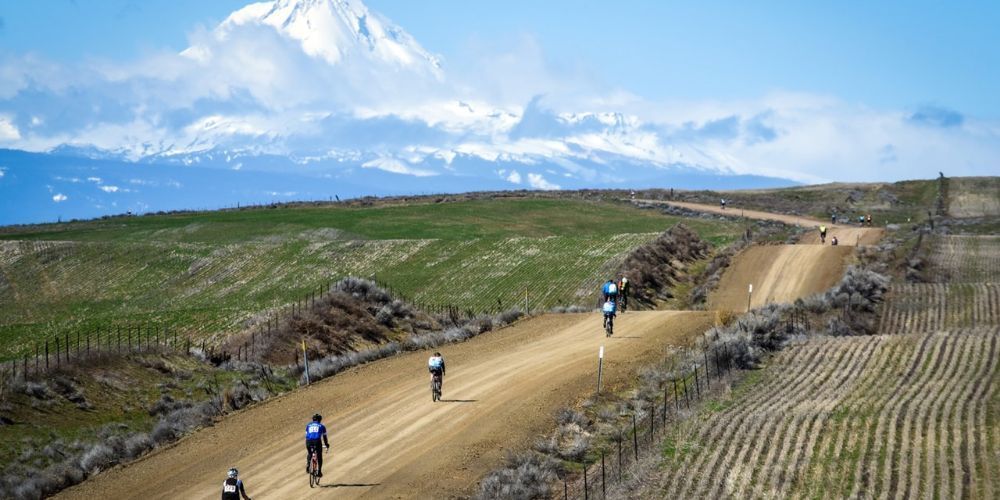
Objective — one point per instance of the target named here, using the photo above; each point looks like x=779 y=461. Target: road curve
x=847 y=234
x=389 y=440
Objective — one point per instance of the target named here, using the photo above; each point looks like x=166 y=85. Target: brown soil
x=388 y=439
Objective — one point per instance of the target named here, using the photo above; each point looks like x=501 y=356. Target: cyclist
x=833 y=218
x=232 y=487
x=822 y=234
x=609 y=309
x=868 y=220
x=833 y=241
x=435 y=365
x=315 y=437
x=722 y=203
x=610 y=291
x=623 y=287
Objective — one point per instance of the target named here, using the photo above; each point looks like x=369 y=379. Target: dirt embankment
x=389 y=440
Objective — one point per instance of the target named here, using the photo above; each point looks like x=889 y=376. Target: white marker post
x=600 y=368
x=305 y=360
x=749 y=296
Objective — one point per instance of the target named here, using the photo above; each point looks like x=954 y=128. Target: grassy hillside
x=888 y=203
x=207 y=273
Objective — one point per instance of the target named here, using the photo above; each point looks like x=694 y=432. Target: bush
x=97 y=458
x=524 y=476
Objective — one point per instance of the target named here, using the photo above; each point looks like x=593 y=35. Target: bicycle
x=609 y=325
x=313 y=470
x=436 y=387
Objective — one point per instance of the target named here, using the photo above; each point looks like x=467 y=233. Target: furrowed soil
x=388 y=439
x=850 y=417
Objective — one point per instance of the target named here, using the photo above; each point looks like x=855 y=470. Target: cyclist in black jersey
x=232 y=487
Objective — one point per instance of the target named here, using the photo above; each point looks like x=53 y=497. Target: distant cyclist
x=316 y=440
x=623 y=288
x=868 y=220
x=722 y=203
x=435 y=365
x=833 y=241
x=609 y=291
x=232 y=487
x=822 y=234
x=609 y=310
x=833 y=218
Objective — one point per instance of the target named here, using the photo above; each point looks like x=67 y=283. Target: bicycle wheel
x=313 y=473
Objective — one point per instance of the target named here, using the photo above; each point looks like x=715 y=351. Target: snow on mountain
x=335 y=31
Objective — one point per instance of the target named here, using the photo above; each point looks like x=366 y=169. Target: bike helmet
x=317 y=417
x=233 y=472
x=437 y=354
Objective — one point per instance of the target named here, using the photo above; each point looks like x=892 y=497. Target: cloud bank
x=316 y=79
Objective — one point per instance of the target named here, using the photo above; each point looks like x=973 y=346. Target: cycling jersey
x=609 y=307
x=315 y=431
x=232 y=488
x=436 y=364
x=610 y=289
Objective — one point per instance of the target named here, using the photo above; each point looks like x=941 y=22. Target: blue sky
x=882 y=54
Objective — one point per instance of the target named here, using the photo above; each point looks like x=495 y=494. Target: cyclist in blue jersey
x=435 y=365
x=610 y=291
x=609 y=309
x=315 y=440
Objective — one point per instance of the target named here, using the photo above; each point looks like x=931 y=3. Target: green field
x=207 y=274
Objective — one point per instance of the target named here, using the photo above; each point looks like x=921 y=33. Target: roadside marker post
x=749 y=296
x=600 y=368
x=305 y=360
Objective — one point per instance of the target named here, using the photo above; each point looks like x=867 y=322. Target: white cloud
x=95 y=180
x=537 y=181
x=397 y=167
x=109 y=189
x=281 y=89
x=59 y=197
x=8 y=132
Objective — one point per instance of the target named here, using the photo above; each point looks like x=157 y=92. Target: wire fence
x=639 y=433
x=116 y=339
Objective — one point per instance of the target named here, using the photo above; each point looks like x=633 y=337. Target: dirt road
x=783 y=273
x=847 y=234
x=389 y=440
x=779 y=273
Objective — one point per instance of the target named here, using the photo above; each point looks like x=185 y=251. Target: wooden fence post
x=635 y=438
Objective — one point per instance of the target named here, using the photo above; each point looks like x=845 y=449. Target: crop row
x=966 y=259
x=928 y=307
x=851 y=417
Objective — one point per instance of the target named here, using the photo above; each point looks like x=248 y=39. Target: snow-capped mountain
x=328 y=89
x=335 y=31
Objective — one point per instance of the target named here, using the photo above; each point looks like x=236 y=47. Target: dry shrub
x=524 y=476
x=653 y=268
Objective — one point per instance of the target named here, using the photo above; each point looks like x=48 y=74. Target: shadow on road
x=349 y=485
x=458 y=400
x=624 y=337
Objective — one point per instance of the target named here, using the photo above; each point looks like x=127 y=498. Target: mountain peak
x=337 y=31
